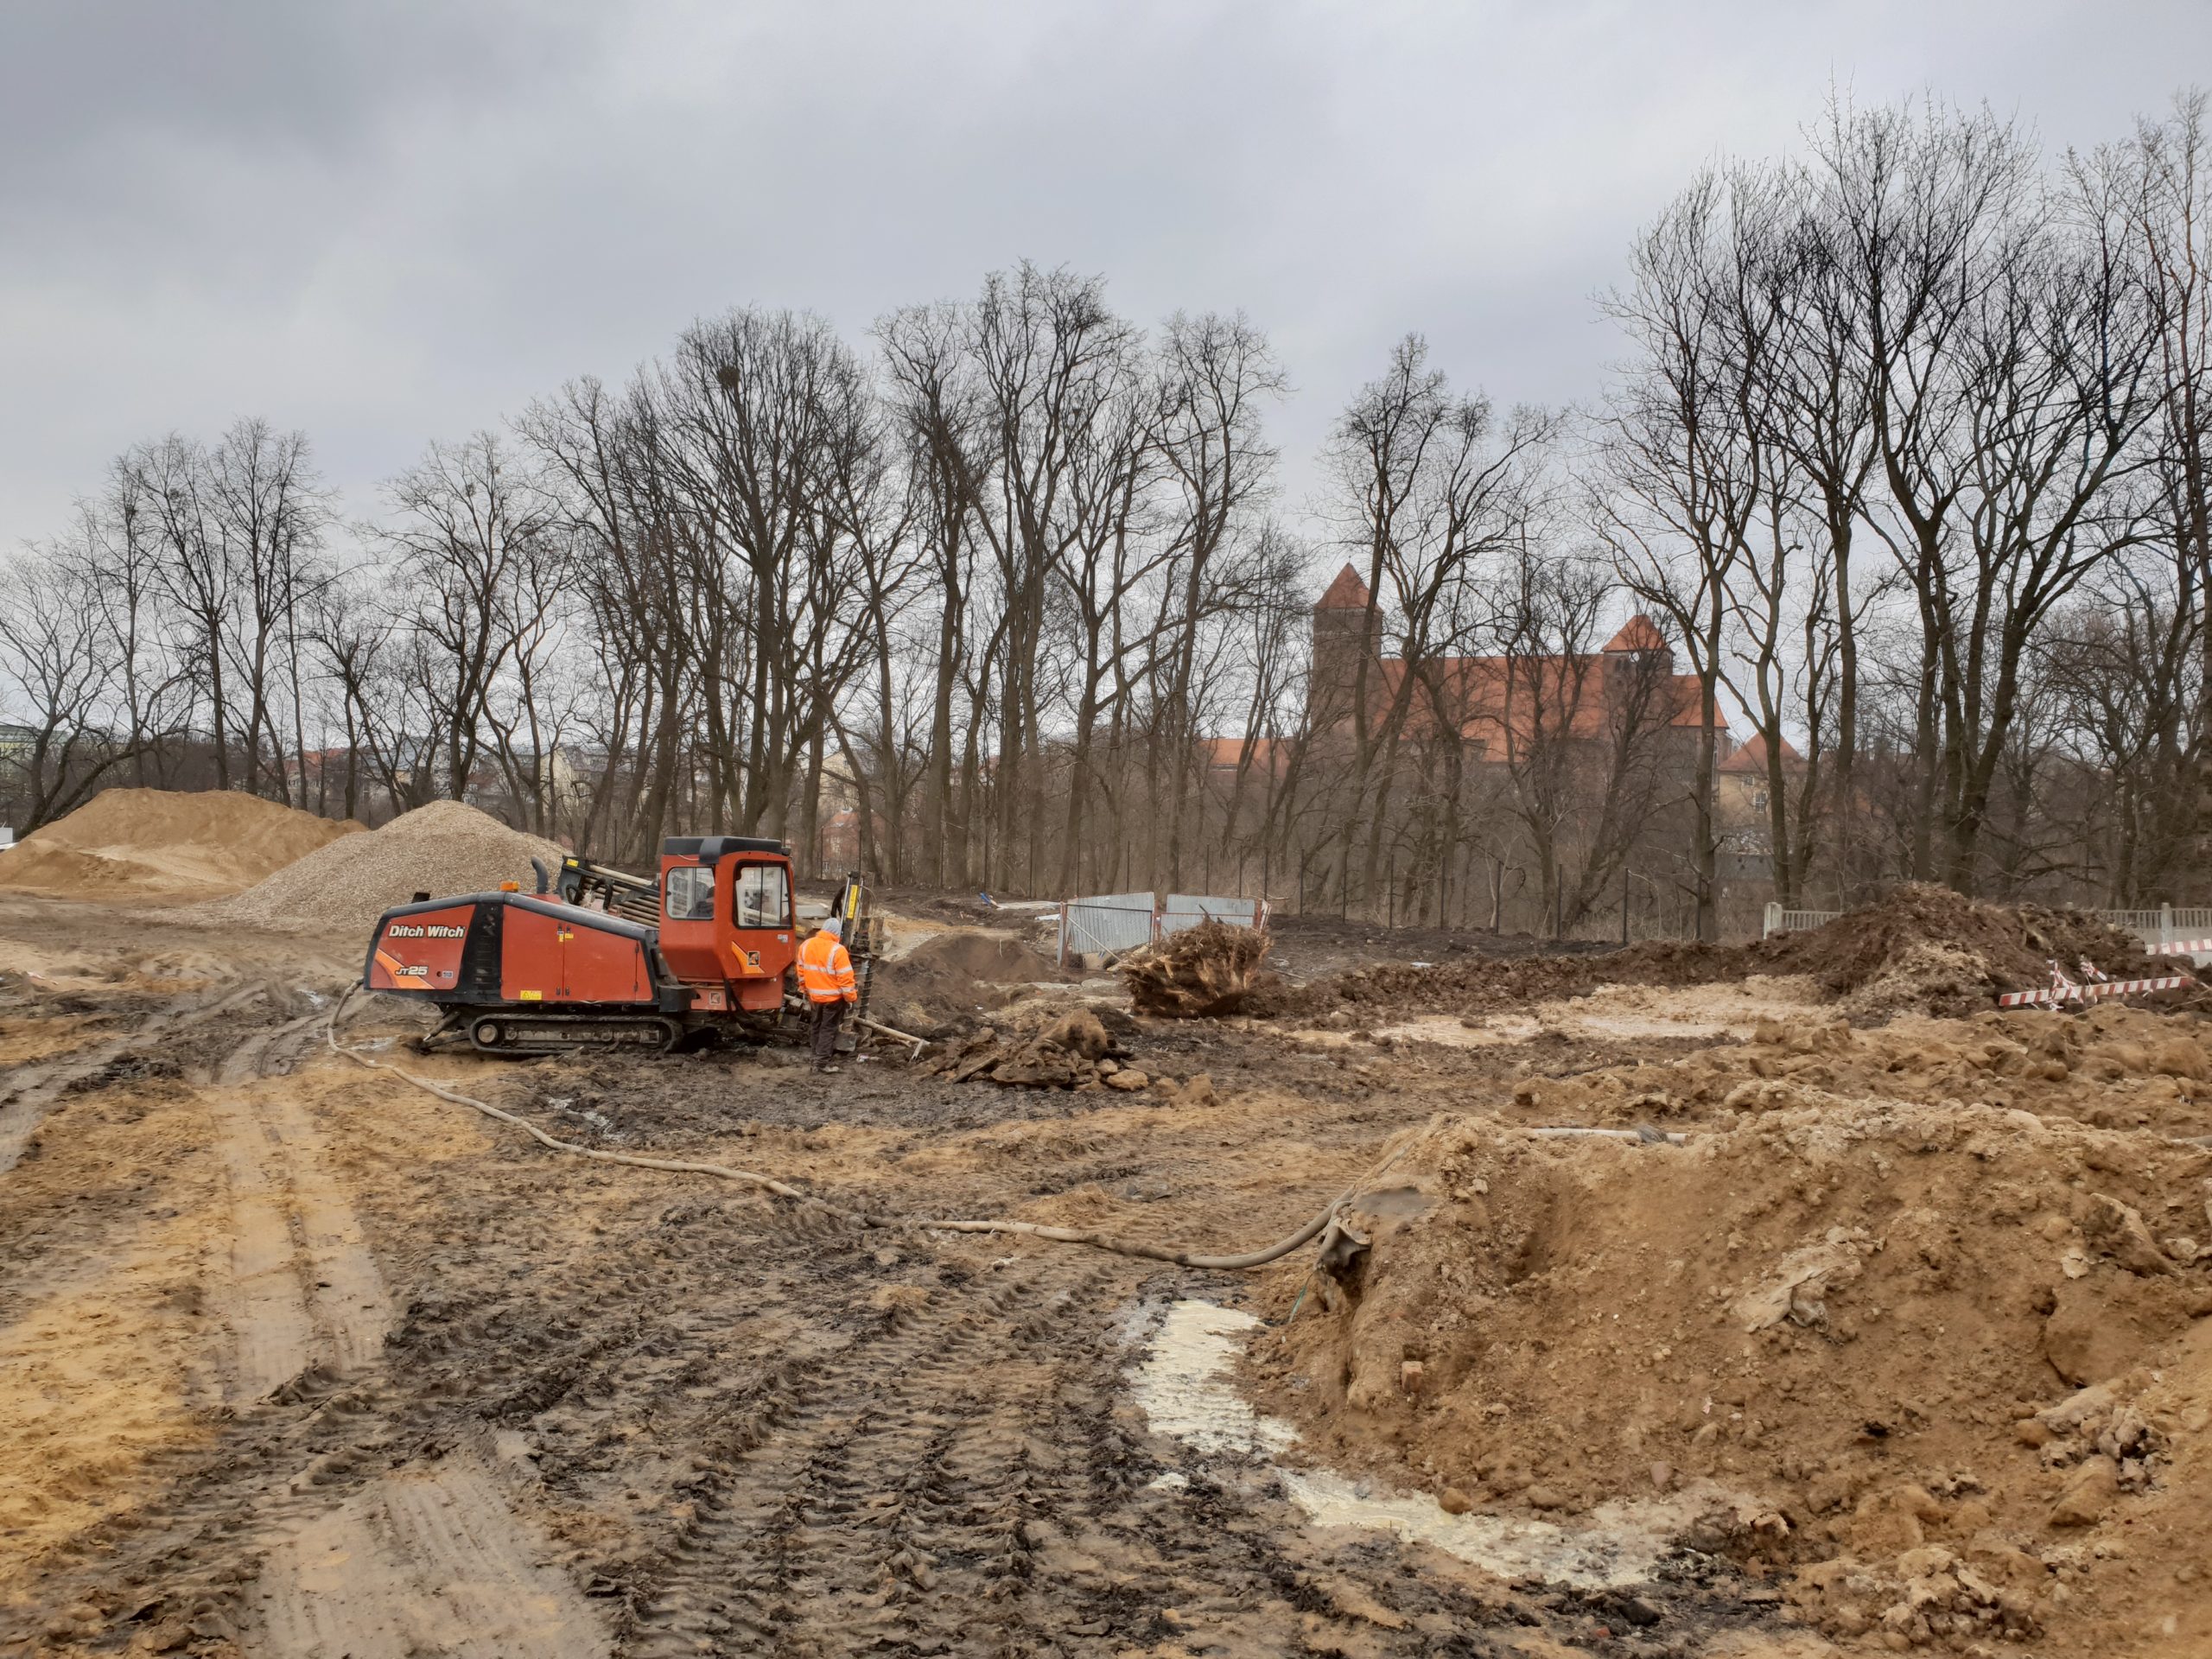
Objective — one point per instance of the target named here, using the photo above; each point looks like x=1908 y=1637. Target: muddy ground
x=297 y=1360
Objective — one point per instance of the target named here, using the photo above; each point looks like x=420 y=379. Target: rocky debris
x=2117 y=1229
x=2092 y=1491
x=446 y=847
x=2102 y=1434
x=1074 y=1050
x=1927 y=1595
x=1203 y=972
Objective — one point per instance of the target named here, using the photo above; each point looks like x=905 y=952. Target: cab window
x=763 y=896
x=690 y=894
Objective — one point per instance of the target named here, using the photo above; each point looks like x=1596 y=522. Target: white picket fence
x=2160 y=930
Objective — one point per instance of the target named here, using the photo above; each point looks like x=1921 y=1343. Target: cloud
x=387 y=224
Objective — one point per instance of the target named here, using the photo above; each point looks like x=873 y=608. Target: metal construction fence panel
x=1104 y=924
x=1187 y=909
x=2167 y=924
x=1779 y=920
x=1108 y=923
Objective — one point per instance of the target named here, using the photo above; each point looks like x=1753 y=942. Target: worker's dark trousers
x=827 y=1016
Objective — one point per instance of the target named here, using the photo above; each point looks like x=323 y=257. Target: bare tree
x=1425 y=486
x=1687 y=453
x=58 y=663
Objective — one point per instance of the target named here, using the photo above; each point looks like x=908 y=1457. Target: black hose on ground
x=1140 y=1248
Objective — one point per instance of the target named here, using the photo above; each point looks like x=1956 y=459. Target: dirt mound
x=2114 y=1067
x=1920 y=949
x=443 y=848
x=148 y=843
x=982 y=957
x=1201 y=972
x=1863 y=1319
x=954 y=975
x=1927 y=948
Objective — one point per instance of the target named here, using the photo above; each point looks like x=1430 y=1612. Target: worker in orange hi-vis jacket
x=825 y=974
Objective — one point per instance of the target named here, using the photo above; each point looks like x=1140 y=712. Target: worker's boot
x=829 y=1065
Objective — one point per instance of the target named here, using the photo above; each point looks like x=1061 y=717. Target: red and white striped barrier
x=2180 y=948
x=2070 y=992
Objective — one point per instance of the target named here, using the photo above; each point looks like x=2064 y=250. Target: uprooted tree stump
x=1204 y=972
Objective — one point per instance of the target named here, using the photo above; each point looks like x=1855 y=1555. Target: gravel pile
x=443 y=848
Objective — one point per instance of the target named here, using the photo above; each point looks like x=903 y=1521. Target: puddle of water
x=1702 y=1011
x=1185 y=1386
x=1443 y=1029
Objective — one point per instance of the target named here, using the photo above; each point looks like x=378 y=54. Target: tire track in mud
x=305 y=1289
x=426 y=1557
x=424 y=1560
x=834 y=1506
x=964 y=1483
x=30 y=1092
x=799 y=1455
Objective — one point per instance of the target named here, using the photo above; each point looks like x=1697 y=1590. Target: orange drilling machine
x=597 y=956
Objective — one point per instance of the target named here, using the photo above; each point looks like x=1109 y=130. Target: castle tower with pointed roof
x=1343 y=632
x=1477 y=696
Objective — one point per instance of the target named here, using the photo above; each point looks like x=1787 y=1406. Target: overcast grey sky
x=387 y=223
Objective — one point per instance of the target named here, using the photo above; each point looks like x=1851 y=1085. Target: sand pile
x=144 y=843
x=446 y=848
x=1204 y=972
x=1921 y=949
x=1944 y=1366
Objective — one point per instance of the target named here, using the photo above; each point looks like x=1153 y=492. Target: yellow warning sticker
x=533 y=996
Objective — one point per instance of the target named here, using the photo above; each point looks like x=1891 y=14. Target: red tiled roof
x=1752 y=758
x=1637 y=634
x=1346 y=593
x=1484 y=692
x=1226 y=754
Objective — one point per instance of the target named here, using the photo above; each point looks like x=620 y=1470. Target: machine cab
x=726 y=915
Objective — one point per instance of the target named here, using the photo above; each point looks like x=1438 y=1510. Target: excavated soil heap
x=446 y=848
x=1921 y=949
x=980 y=958
x=954 y=974
x=2111 y=1067
x=155 y=843
x=1946 y=1366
